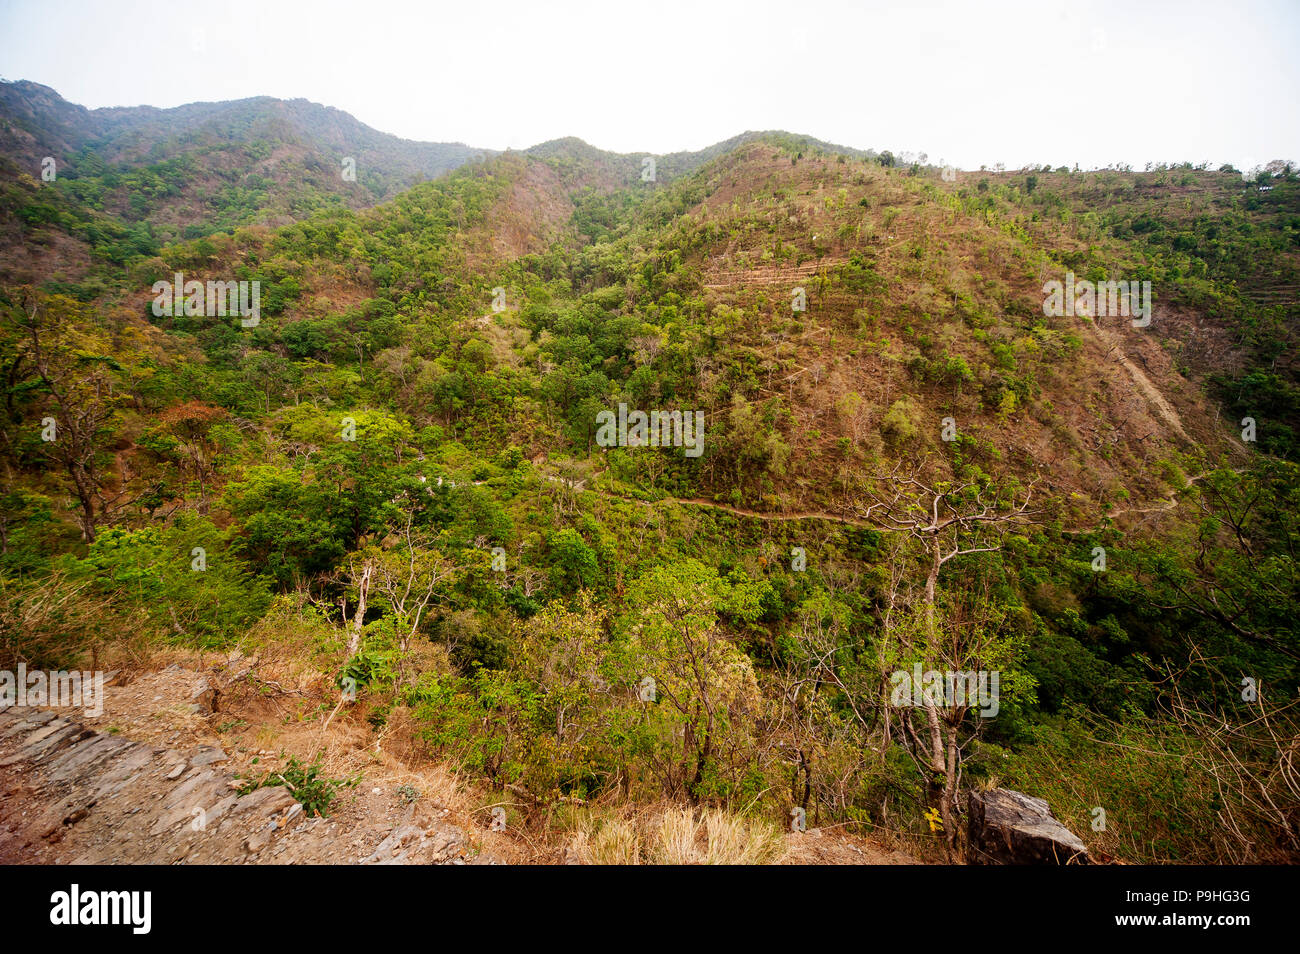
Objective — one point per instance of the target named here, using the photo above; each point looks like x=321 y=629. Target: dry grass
x=677 y=840
x=615 y=842
x=676 y=836
x=733 y=841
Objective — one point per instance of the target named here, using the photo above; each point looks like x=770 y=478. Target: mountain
x=672 y=165
x=882 y=446
x=207 y=167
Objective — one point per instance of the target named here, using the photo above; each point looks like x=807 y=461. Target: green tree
x=704 y=686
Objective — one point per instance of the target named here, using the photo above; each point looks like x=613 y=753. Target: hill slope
x=398 y=476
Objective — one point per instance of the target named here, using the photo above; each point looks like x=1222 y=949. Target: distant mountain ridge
x=148 y=133
x=213 y=166
x=207 y=167
x=671 y=165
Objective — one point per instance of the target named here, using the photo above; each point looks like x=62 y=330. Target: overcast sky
x=1062 y=82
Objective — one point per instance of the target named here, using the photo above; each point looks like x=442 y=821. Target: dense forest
x=391 y=486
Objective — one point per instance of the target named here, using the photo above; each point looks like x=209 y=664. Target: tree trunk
x=354 y=641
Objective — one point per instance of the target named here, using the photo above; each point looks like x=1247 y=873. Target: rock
x=266 y=801
x=1011 y=828
x=207 y=755
x=293 y=812
x=77 y=814
x=124 y=768
x=45 y=730
x=53 y=738
x=84 y=756
x=446 y=845
x=72 y=793
x=205 y=696
x=258 y=840
x=188 y=787
x=28 y=721
x=392 y=846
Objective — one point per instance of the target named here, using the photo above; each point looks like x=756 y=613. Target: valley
x=396 y=488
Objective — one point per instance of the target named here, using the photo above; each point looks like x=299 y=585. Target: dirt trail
x=1171 y=497
x=1170 y=502
x=1157 y=400
x=776 y=517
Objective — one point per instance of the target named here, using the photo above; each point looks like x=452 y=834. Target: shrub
x=897 y=424
x=305 y=783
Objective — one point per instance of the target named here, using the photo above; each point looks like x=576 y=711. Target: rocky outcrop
x=1011 y=828
x=70 y=794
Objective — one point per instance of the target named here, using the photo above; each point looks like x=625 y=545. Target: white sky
x=967 y=83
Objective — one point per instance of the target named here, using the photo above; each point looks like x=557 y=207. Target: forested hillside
x=393 y=487
x=165 y=174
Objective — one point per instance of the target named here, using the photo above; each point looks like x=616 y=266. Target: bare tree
x=1252 y=759
x=402 y=576
x=944 y=521
x=949 y=521
x=406 y=579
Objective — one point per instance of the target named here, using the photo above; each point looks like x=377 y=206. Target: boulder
x=1011 y=828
